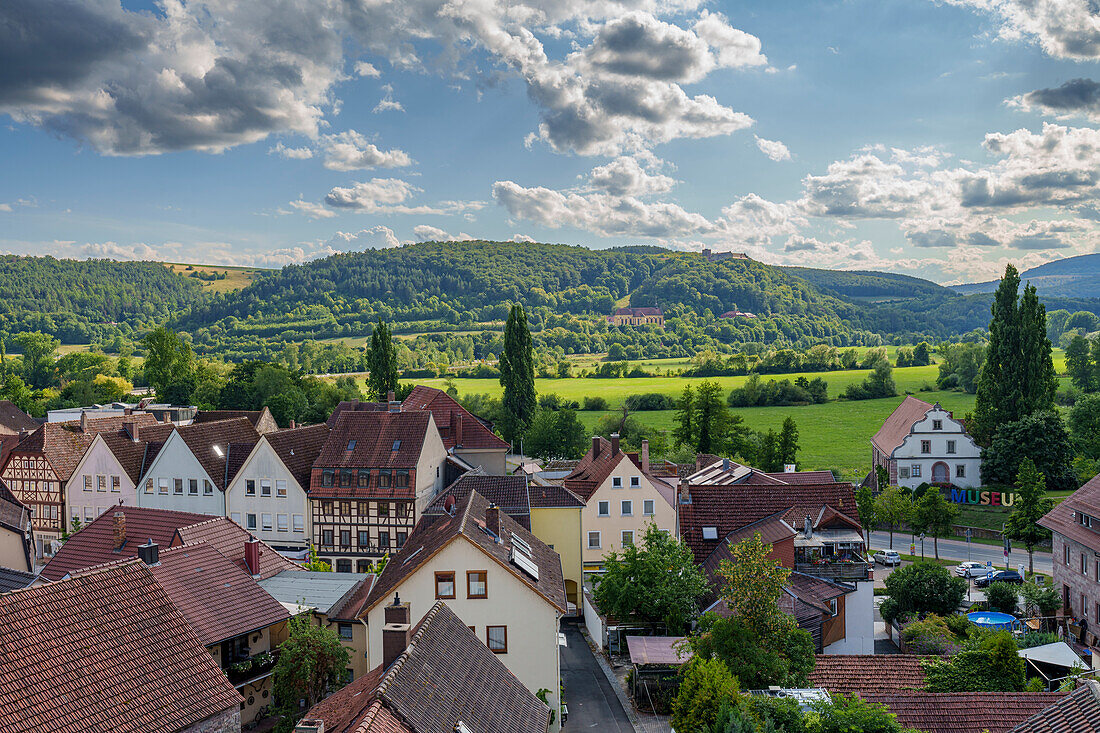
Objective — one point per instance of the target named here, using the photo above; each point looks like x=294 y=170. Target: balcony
x=251 y=669
x=840 y=570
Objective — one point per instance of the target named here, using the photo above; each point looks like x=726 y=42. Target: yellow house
x=556 y=520
x=622 y=497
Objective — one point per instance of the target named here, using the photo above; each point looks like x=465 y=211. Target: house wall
x=856 y=622
x=611 y=527
x=264 y=465
x=87 y=504
x=532 y=622
x=492 y=460
x=33 y=481
x=561 y=529
x=429 y=469
x=175 y=460
x=12 y=552
x=967 y=453
x=227 y=721
x=1069 y=575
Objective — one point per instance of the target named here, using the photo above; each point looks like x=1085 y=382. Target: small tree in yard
x=841 y=714
x=1032 y=504
x=935 y=515
x=1002 y=597
x=1040 y=600
x=754 y=583
x=865 y=505
x=311 y=664
x=893 y=506
x=920 y=589
x=657 y=580
x=706 y=687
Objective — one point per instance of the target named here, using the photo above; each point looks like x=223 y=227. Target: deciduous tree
x=169 y=365
x=311 y=664
x=893 y=506
x=1079 y=364
x=39 y=352
x=934 y=515
x=1029 y=508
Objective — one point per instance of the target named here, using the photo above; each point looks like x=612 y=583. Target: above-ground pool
x=992 y=619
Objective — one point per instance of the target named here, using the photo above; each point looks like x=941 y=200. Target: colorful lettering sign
x=984 y=498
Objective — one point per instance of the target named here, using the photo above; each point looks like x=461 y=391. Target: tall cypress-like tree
x=382 y=363
x=517 y=375
x=998 y=399
x=1037 y=381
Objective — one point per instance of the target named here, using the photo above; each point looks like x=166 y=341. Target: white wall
x=265 y=468
x=175 y=460
x=494 y=461
x=98 y=461
x=532 y=622
x=967 y=453
x=429 y=469
x=859 y=622
x=612 y=526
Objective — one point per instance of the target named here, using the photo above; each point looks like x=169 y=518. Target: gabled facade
x=108 y=472
x=15 y=533
x=922 y=443
x=504 y=583
x=1075 y=529
x=621 y=499
x=14 y=421
x=465 y=435
x=374 y=476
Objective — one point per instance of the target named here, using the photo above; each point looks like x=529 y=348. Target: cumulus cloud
x=312 y=209
x=625 y=176
x=291 y=153
x=1075 y=98
x=389 y=196
x=115 y=251
x=376 y=237
x=366 y=69
x=774 y=149
x=387 y=103
x=428 y=233
x=1063 y=28
x=349 y=151
x=5 y=207
x=522 y=239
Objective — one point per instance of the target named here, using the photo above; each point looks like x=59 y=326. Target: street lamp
x=921 y=545
x=968 y=534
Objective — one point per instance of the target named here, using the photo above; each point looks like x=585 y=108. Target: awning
x=1058 y=654
x=656 y=650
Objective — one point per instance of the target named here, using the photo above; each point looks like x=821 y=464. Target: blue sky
x=940 y=139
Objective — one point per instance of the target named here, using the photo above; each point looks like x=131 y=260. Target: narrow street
x=592 y=703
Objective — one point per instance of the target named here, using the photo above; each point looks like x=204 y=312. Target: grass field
x=235 y=279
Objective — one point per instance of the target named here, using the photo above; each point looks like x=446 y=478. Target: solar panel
x=521 y=543
x=526 y=564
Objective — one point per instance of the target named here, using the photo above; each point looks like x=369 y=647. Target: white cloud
x=427 y=233
x=348 y=151
x=388 y=196
x=774 y=149
x=376 y=237
x=291 y=153
x=364 y=68
x=522 y=239
x=387 y=103
x=115 y=251
x=625 y=176
x=5 y=207
x=312 y=209
x=1063 y=28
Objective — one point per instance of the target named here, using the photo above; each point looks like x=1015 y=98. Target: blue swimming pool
x=992 y=619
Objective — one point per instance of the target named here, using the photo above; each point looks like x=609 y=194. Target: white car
x=970 y=569
x=887 y=557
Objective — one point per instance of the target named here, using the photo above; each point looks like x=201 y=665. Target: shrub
x=1037 y=638
x=594 y=404
x=649 y=401
x=990 y=662
x=1002 y=597
x=930 y=636
x=920 y=589
x=707 y=686
x=960 y=625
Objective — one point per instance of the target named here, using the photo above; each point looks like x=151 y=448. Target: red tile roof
x=94 y=544
x=375 y=436
x=14 y=419
x=804 y=477
x=468 y=521
x=593 y=469
x=447 y=413
x=298 y=448
x=229 y=539
x=63 y=443
x=378 y=719
x=1078 y=712
x=507 y=492
x=262 y=419
x=211 y=441
x=1061 y=518
x=214 y=594
x=867 y=674
x=350 y=706
x=105 y=651
x=814 y=591
x=966 y=712
x=356 y=406
x=893 y=432
x=646 y=310
x=552 y=496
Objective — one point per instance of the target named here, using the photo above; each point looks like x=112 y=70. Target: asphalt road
x=592 y=703
x=957 y=550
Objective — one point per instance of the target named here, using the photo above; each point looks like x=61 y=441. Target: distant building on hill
x=737 y=314
x=637 y=316
x=922 y=443
x=713 y=256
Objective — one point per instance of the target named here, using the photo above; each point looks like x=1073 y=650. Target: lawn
x=235 y=279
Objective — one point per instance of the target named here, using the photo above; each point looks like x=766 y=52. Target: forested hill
x=1073 y=277
x=79 y=301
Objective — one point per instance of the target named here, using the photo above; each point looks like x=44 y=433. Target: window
x=162 y=486
x=299 y=523
x=87 y=483
x=250 y=487
x=345 y=538
x=903 y=472
x=617 y=482
x=401 y=537
x=193 y=487
x=343 y=566
x=266 y=522
x=1084 y=565
x=914 y=470
x=326 y=537
x=635 y=481
x=604 y=508
x=384 y=479
x=384 y=539
x=960 y=471
x=1065 y=554
x=236 y=517
x=626 y=508
x=345 y=508
x=346 y=631
x=951 y=447
x=396 y=445
x=364 y=538
x=937 y=424
x=363 y=508
x=148 y=486
x=402 y=479
x=445 y=585
x=364 y=478
x=628 y=538
x=282 y=522
x=1084 y=606
x=477 y=584
x=88 y=516
x=647 y=507
x=926 y=446
x=383 y=508
x=496 y=637
x=251 y=521
x=351 y=444
x=326 y=507
x=116 y=483
x=345 y=477
x=593 y=540
x=177 y=486
x=326 y=477
x=362 y=566
x=833 y=610
x=265 y=487
x=207 y=488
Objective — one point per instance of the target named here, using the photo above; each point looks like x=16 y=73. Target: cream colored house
x=504 y=583
x=621 y=499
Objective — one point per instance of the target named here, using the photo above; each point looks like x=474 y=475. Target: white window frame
x=626 y=508
x=622 y=538
x=192 y=487
x=648 y=507
x=236 y=517
x=177 y=487
x=603 y=508
x=299 y=522
x=87 y=482
x=914 y=471
x=251 y=522
x=207 y=488
x=280 y=488
x=616 y=482
x=595 y=534
x=162 y=486
x=951 y=448
x=250 y=487
x=265 y=487
x=116 y=484
x=282 y=522
x=635 y=481
x=267 y=522
x=101 y=480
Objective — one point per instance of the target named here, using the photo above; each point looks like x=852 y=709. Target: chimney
x=83 y=421
x=698 y=462
x=725 y=464
x=685 y=491
x=394 y=405
x=310 y=725
x=252 y=556
x=391 y=396
x=132 y=429
x=395 y=632
x=492 y=519
x=808 y=528
x=120 y=530
x=293 y=424
x=456 y=427
x=645 y=456
x=595 y=446
x=614 y=444
x=149 y=552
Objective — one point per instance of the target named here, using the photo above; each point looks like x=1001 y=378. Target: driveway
x=592 y=703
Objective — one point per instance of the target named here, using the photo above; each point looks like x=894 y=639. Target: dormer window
x=937 y=424
x=351 y=444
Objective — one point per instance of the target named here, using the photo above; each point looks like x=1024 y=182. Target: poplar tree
x=517 y=375
x=382 y=363
x=684 y=432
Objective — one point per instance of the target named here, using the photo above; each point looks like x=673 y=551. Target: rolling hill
x=1072 y=277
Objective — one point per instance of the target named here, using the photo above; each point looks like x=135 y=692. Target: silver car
x=887 y=557
x=970 y=569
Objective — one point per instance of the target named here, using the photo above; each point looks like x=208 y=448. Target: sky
x=941 y=139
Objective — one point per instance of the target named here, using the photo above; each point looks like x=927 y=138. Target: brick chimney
x=252 y=556
x=149 y=552
x=595 y=446
x=391 y=396
x=685 y=491
x=83 y=421
x=614 y=444
x=119 y=530
x=492 y=519
x=456 y=427
x=396 y=631
x=132 y=429
x=645 y=456
x=394 y=405
x=293 y=424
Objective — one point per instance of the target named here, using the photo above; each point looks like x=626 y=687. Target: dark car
x=999 y=576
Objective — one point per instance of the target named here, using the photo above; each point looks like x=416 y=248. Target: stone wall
x=227 y=721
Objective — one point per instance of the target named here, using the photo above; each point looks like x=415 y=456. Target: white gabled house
x=922 y=443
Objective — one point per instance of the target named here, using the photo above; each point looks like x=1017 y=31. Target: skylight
x=396 y=444
x=526 y=564
x=414 y=554
x=521 y=543
x=219 y=452
x=710 y=533
x=351 y=444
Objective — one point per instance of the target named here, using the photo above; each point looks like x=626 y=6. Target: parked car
x=999 y=576
x=887 y=557
x=970 y=569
